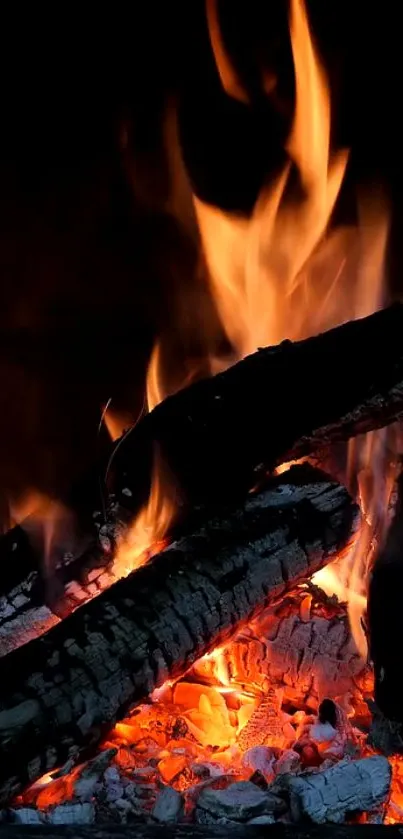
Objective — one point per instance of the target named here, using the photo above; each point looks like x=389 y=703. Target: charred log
x=348 y=787
x=302 y=644
x=31 y=601
x=274 y=406
x=59 y=691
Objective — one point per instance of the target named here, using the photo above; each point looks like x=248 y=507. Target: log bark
x=193 y=831
x=276 y=405
x=31 y=602
x=59 y=691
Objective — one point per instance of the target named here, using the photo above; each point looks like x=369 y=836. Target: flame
x=48 y=524
x=373 y=464
x=146 y=534
x=226 y=71
x=115 y=422
x=284 y=274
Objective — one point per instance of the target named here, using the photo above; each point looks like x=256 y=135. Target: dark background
x=92 y=263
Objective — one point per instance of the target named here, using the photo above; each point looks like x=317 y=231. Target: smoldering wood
x=32 y=601
x=385 y=627
x=60 y=691
x=307 y=649
x=347 y=787
x=193 y=831
x=276 y=405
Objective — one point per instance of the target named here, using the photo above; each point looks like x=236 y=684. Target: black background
x=91 y=264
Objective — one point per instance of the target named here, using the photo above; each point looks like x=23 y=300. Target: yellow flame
x=282 y=273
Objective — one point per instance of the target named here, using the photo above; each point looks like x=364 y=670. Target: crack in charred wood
x=90 y=668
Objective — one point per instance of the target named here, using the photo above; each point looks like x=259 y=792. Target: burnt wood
x=276 y=405
x=217 y=437
x=58 y=692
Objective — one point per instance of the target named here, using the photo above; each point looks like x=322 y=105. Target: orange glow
x=374 y=465
x=226 y=71
x=48 y=524
x=155 y=392
x=203 y=719
x=115 y=423
x=49 y=791
x=285 y=273
x=145 y=536
x=281 y=273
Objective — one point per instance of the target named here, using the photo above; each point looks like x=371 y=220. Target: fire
x=47 y=522
x=146 y=534
x=284 y=274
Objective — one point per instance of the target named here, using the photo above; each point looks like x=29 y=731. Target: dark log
x=59 y=691
x=274 y=406
x=31 y=600
x=217 y=435
x=193 y=831
x=385 y=621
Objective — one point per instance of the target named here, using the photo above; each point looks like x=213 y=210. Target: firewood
x=303 y=644
x=347 y=787
x=30 y=602
x=218 y=434
x=59 y=691
x=276 y=405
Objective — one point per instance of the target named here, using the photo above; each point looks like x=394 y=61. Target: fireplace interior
x=202 y=379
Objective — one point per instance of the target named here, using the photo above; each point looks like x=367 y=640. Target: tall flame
x=283 y=274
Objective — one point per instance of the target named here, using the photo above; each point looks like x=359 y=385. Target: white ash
x=113 y=784
x=345 y=787
x=169 y=806
x=88 y=781
x=240 y=801
x=288 y=762
x=68 y=813
x=27 y=815
x=261 y=759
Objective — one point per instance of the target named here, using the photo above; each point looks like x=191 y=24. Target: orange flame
x=48 y=524
x=146 y=535
x=282 y=274
x=374 y=465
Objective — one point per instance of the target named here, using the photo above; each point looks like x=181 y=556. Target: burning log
x=348 y=787
x=60 y=690
x=303 y=645
x=274 y=406
x=31 y=602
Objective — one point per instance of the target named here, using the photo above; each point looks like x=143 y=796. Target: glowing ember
x=245 y=709
x=256 y=705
